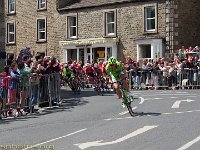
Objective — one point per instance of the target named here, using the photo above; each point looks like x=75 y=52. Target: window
x=110 y=23
x=150 y=18
x=41 y=4
x=41 y=30
x=11 y=6
x=72 y=26
x=11 y=33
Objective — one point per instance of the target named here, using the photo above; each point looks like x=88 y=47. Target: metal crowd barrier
x=169 y=79
x=17 y=94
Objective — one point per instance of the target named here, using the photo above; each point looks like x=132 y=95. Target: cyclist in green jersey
x=115 y=71
x=67 y=73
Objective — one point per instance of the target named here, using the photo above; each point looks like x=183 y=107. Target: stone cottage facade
x=139 y=28
x=31 y=23
x=2 y=34
x=91 y=30
x=2 y=27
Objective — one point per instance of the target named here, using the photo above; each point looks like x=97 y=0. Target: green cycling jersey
x=116 y=72
x=67 y=72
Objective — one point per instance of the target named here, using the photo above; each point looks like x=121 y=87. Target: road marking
x=128 y=136
x=160 y=92
x=126 y=112
x=181 y=92
x=186 y=146
x=177 y=103
x=191 y=111
x=55 y=139
x=173 y=97
x=192 y=96
x=142 y=100
x=165 y=94
x=158 y=98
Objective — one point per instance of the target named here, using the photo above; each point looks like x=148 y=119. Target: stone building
x=95 y=30
x=139 y=28
x=2 y=34
x=31 y=23
x=2 y=27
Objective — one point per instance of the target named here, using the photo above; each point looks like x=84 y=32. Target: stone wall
x=26 y=26
x=2 y=26
x=129 y=24
x=2 y=33
x=91 y=25
x=188 y=23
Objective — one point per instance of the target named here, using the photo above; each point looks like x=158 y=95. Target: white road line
x=158 y=98
x=148 y=99
x=177 y=103
x=186 y=146
x=120 y=118
x=192 y=96
x=160 y=92
x=167 y=113
x=126 y=112
x=142 y=100
x=181 y=92
x=122 y=139
x=173 y=97
x=35 y=146
x=165 y=94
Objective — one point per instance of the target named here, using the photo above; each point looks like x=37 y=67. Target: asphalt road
x=166 y=120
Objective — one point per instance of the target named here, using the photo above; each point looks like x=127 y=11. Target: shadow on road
x=70 y=100
x=147 y=114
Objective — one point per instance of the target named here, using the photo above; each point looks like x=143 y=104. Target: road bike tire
x=130 y=109
x=99 y=91
x=128 y=101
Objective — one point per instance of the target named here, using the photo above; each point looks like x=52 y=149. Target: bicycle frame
x=127 y=99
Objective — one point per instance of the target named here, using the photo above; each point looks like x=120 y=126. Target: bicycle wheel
x=98 y=90
x=127 y=101
x=130 y=109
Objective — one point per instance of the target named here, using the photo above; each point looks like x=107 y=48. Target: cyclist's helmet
x=87 y=65
x=112 y=60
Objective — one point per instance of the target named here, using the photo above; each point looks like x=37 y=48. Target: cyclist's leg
x=123 y=77
x=125 y=84
x=116 y=87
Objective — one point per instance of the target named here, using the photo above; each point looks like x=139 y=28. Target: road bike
x=127 y=99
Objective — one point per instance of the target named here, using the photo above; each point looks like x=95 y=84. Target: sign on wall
x=101 y=54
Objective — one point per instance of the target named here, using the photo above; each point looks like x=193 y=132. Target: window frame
x=38 y=32
x=106 y=23
x=39 y=3
x=9 y=6
x=145 y=7
x=8 y=32
x=68 y=28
